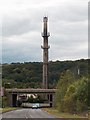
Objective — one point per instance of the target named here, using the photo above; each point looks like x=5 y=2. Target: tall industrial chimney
x=45 y=48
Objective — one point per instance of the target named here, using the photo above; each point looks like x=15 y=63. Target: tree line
x=29 y=74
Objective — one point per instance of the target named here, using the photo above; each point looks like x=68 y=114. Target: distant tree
x=19 y=103
x=9 y=83
x=30 y=99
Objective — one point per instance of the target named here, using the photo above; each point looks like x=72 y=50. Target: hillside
x=29 y=74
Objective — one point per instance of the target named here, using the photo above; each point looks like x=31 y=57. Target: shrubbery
x=4 y=101
x=38 y=99
x=19 y=103
x=72 y=95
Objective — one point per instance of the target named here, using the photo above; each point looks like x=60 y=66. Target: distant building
x=24 y=97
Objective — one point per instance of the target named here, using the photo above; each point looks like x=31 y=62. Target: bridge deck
x=15 y=90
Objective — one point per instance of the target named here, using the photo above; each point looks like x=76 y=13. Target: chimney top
x=45 y=19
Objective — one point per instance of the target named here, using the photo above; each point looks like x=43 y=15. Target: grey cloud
x=72 y=13
x=16 y=27
x=64 y=54
x=67 y=26
x=31 y=20
x=23 y=54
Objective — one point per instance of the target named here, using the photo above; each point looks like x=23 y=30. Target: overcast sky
x=22 y=27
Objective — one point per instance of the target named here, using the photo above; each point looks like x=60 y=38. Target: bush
x=72 y=95
x=38 y=99
x=81 y=106
x=19 y=103
x=4 y=101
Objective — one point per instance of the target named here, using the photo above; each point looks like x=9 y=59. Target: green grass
x=7 y=109
x=62 y=115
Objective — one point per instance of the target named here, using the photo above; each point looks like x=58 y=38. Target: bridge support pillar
x=50 y=98
x=9 y=100
x=53 y=105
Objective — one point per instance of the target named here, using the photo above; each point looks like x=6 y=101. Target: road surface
x=31 y=113
x=27 y=113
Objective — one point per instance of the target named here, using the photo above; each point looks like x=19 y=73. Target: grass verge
x=62 y=115
x=7 y=109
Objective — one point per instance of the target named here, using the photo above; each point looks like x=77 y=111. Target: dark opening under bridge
x=13 y=93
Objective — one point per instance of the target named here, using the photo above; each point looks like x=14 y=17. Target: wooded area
x=29 y=74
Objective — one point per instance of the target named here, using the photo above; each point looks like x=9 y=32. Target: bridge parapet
x=15 y=90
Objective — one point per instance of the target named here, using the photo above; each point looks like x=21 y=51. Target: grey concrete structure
x=45 y=48
x=29 y=90
x=12 y=94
